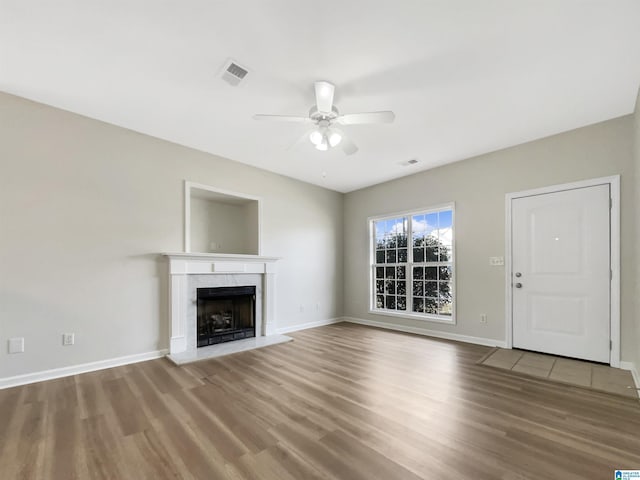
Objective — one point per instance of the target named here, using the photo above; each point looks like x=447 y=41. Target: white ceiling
x=464 y=77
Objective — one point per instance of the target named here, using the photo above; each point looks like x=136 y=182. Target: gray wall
x=478 y=187
x=251 y=225
x=233 y=227
x=85 y=210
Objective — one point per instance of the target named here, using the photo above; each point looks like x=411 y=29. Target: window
x=412 y=264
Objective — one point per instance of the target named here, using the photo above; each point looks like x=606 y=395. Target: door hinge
x=610 y=274
x=610 y=203
x=610 y=344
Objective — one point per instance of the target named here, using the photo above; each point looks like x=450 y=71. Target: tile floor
x=565 y=370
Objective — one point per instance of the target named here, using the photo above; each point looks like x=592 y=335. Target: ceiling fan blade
x=304 y=138
x=347 y=145
x=324 y=96
x=282 y=118
x=362 y=118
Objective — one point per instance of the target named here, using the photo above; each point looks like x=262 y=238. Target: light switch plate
x=16 y=345
x=496 y=261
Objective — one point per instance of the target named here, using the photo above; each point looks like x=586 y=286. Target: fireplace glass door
x=225 y=314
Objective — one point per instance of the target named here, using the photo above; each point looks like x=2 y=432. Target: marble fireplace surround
x=190 y=271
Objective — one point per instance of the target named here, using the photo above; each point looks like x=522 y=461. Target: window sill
x=415 y=316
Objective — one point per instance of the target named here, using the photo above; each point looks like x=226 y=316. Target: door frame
x=614 y=256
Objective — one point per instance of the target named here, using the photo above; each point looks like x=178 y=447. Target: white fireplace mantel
x=230 y=269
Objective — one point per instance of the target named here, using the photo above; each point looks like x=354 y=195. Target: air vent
x=233 y=73
x=406 y=163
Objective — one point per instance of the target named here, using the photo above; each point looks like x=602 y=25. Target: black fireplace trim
x=218 y=292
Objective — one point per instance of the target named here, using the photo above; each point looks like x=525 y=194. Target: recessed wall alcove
x=220 y=221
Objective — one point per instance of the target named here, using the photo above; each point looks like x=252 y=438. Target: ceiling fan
x=324 y=116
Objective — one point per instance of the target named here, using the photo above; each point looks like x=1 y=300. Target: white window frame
x=409 y=276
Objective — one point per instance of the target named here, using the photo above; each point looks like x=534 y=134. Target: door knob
x=518 y=274
x=518 y=285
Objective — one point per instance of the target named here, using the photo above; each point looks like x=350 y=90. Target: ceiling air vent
x=233 y=73
x=406 y=163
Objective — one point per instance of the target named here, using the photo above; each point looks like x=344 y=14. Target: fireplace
x=225 y=314
x=190 y=272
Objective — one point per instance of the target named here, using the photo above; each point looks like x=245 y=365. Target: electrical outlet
x=68 y=339
x=496 y=261
x=483 y=318
x=301 y=308
x=16 y=345
x=317 y=307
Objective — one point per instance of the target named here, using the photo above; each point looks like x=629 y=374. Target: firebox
x=225 y=314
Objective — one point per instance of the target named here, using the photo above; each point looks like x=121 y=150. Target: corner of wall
x=636 y=163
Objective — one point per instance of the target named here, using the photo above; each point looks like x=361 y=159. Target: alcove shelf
x=220 y=221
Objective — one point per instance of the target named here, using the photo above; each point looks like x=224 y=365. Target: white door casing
x=564 y=243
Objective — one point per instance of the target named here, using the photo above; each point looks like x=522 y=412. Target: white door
x=561 y=272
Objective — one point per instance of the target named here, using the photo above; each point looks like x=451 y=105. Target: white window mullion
x=373 y=297
x=409 y=274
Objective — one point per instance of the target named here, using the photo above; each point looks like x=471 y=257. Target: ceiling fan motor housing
x=318 y=116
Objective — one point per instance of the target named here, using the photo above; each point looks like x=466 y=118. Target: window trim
x=424 y=317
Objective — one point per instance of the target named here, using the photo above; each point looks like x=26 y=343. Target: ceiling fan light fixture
x=323 y=145
x=315 y=137
x=334 y=138
x=325 y=118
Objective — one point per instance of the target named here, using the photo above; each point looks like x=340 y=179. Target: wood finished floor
x=339 y=402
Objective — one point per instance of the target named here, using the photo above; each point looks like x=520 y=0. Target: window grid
x=413 y=264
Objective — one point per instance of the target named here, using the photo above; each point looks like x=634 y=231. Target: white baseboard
x=8 y=382
x=304 y=326
x=634 y=371
x=488 y=342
